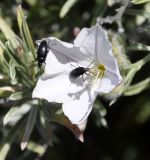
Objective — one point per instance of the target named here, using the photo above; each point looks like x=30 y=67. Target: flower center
x=97 y=72
x=101 y=71
x=94 y=73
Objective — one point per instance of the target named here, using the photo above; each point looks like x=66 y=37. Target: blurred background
x=124 y=133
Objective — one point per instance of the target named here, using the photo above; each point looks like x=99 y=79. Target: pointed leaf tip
x=23 y=145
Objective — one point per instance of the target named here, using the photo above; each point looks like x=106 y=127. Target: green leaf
x=44 y=126
x=29 y=127
x=4 y=150
x=137 y=88
x=31 y=2
x=66 y=7
x=28 y=37
x=4 y=66
x=12 y=70
x=1 y=49
x=134 y=68
x=16 y=96
x=20 y=17
x=29 y=54
x=144 y=113
x=135 y=46
x=100 y=112
x=6 y=91
x=136 y=12
x=21 y=68
x=15 y=114
x=15 y=60
x=9 y=34
x=8 y=139
x=24 y=30
x=36 y=148
x=139 y=1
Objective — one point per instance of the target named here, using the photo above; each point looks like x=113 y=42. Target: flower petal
x=82 y=126
x=56 y=63
x=106 y=85
x=105 y=57
x=108 y=82
x=103 y=51
x=68 y=50
x=58 y=88
x=78 y=109
x=52 y=89
x=55 y=84
x=86 y=41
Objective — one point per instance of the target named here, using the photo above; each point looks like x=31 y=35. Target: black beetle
x=77 y=72
x=42 y=53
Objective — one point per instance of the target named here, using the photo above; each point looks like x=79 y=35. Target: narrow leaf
x=24 y=29
x=12 y=70
x=8 y=139
x=66 y=7
x=15 y=60
x=20 y=19
x=31 y=2
x=9 y=34
x=4 y=150
x=29 y=127
x=15 y=114
x=139 y=1
x=137 y=88
x=16 y=96
x=6 y=91
x=36 y=148
x=135 y=46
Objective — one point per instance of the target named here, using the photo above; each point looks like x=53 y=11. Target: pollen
x=101 y=70
x=97 y=72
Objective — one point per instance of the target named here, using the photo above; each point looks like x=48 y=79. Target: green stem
x=134 y=68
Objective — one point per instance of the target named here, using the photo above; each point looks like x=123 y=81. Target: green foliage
x=139 y=1
x=66 y=7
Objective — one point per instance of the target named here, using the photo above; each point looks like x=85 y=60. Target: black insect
x=77 y=72
x=42 y=53
x=80 y=71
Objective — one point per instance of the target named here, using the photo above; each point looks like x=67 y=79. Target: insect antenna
x=71 y=63
x=90 y=64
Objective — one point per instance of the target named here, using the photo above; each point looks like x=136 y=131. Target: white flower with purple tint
x=76 y=73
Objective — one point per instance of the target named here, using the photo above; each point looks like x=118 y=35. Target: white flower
x=92 y=50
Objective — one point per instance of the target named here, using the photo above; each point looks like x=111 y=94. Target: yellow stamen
x=101 y=71
x=96 y=72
